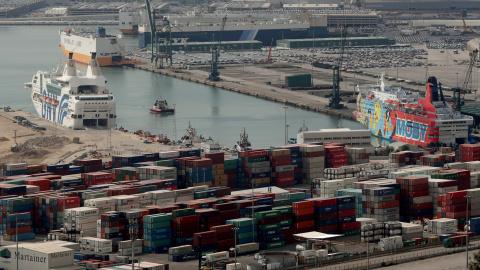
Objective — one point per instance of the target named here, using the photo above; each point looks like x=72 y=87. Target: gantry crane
x=335 y=98
x=214 y=74
x=161 y=38
x=459 y=93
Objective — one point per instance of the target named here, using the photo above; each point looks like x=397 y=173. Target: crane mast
x=335 y=98
x=214 y=74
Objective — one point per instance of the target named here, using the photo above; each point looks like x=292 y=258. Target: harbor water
x=214 y=112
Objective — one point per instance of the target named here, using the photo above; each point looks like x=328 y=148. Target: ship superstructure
x=393 y=113
x=74 y=100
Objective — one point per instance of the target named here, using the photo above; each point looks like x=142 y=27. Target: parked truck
x=459 y=240
x=212 y=258
x=244 y=249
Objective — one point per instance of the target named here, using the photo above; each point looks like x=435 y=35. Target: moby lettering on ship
x=411 y=130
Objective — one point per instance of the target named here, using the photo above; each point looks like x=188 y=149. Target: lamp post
x=467 y=224
x=132 y=221
x=287 y=126
x=204 y=174
x=285 y=107
x=16 y=236
x=235 y=229
x=174 y=126
x=368 y=253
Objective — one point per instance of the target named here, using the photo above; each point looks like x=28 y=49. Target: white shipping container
x=231 y=266
x=169 y=154
x=423 y=199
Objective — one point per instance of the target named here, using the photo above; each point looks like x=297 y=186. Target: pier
x=247 y=87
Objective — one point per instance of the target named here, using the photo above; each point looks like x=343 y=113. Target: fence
x=376 y=262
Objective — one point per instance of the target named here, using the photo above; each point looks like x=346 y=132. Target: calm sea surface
x=215 y=113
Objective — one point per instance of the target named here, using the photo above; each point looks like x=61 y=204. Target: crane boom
x=459 y=93
x=153 y=29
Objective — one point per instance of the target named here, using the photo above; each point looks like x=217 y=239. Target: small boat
x=243 y=144
x=161 y=106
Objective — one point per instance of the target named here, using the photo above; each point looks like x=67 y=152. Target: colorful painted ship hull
x=392 y=113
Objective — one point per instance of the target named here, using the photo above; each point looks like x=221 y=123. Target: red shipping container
x=283 y=174
x=342 y=155
x=325 y=202
x=226 y=244
x=328 y=215
x=286 y=216
x=304 y=224
x=287 y=179
x=303 y=218
x=280 y=163
x=224 y=235
x=334 y=149
x=456 y=194
x=414 y=187
x=303 y=211
x=414 y=194
x=349 y=226
x=21 y=230
x=264 y=221
x=328 y=228
x=303 y=204
x=222 y=228
x=456 y=214
x=289 y=238
x=455 y=208
x=422 y=206
x=389 y=204
x=255 y=153
x=186 y=219
x=346 y=213
x=285 y=184
x=313 y=154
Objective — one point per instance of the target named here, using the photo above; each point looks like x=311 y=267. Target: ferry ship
x=393 y=113
x=110 y=50
x=73 y=100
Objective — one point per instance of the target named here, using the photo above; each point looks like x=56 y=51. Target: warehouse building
x=355 y=138
x=207 y=46
x=334 y=42
x=15 y=8
x=420 y=4
x=43 y=256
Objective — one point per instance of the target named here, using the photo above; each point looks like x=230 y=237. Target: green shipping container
x=276 y=244
x=283 y=209
x=157 y=225
x=242 y=222
x=245 y=235
x=165 y=163
x=266 y=227
x=255 y=159
x=286 y=222
x=157 y=218
x=281 y=202
x=409 y=243
x=183 y=212
x=267 y=214
x=158 y=243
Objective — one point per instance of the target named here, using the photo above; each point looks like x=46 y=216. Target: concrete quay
x=241 y=83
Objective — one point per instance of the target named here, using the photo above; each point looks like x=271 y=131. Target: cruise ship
x=393 y=113
x=110 y=50
x=73 y=100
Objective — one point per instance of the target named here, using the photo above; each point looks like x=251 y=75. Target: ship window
x=123 y=22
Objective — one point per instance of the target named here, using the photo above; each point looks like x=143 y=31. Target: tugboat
x=243 y=144
x=161 y=106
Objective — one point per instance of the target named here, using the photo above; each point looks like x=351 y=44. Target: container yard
x=178 y=206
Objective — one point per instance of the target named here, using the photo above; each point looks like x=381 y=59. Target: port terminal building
x=334 y=42
x=355 y=138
